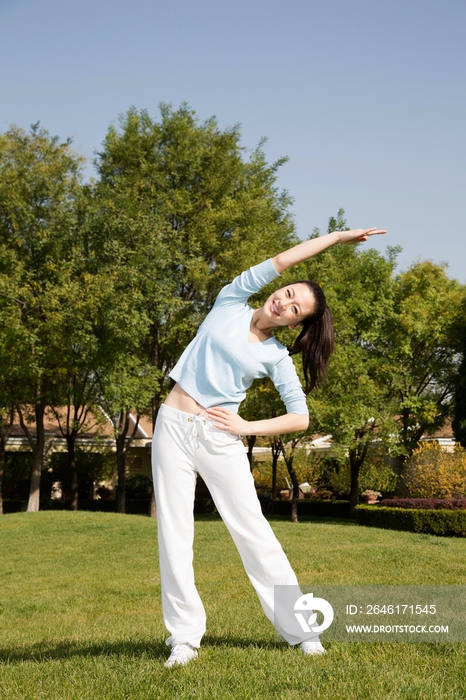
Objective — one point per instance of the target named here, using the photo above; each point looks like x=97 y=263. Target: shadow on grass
x=67 y=649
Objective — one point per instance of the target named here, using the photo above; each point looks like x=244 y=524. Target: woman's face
x=289 y=305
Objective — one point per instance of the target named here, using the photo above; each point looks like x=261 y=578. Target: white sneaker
x=181 y=654
x=312 y=648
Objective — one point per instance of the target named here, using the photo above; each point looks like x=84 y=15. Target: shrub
x=425 y=503
x=433 y=522
x=262 y=473
x=374 y=475
x=16 y=479
x=91 y=466
x=336 y=475
x=307 y=465
x=138 y=486
x=331 y=473
x=432 y=472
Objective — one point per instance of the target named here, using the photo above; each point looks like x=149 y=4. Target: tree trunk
x=123 y=443
x=2 y=471
x=152 y=505
x=73 y=471
x=251 y=439
x=4 y=434
x=34 y=488
x=37 y=459
x=354 y=488
x=294 y=501
x=356 y=461
x=275 y=455
x=121 y=471
x=274 y=479
x=294 y=481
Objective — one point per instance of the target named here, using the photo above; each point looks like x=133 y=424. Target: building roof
x=98 y=426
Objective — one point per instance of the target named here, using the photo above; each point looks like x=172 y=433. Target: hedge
x=308 y=507
x=425 y=503
x=433 y=522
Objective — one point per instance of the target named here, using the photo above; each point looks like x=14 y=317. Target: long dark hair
x=315 y=342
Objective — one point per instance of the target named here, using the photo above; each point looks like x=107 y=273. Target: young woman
x=198 y=431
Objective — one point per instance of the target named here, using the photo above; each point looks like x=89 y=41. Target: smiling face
x=289 y=305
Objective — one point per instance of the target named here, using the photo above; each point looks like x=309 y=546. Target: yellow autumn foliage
x=433 y=472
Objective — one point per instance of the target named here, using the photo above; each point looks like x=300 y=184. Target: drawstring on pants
x=197 y=422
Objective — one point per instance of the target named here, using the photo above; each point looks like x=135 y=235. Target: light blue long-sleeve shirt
x=220 y=363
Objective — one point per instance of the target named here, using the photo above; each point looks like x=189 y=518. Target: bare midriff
x=179 y=399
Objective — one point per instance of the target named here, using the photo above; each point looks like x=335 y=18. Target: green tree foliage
x=102 y=359
x=422 y=348
x=83 y=323
x=396 y=351
x=459 y=420
x=39 y=183
x=102 y=286
x=375 y=474
x=126 y=393
x=354 y=405
x=185 y=211
x=69 y=315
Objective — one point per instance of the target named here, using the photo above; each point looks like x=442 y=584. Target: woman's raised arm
x=307 y=249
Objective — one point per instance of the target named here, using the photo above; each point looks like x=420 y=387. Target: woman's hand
x=233 y=423
x=227 y=420
x=358 y=235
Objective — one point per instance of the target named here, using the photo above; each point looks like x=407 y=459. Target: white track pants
x=184 y=446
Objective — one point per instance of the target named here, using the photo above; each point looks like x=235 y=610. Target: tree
x=354 y=405
x=392 y=373
x=422 y=346
x=259 y=404
x=126 y=390
x=103 y=327
x=39 y=184
x=459 y=420
x=74 y=402
x=80 y=321
x=288 y=450
x=181 y=205
x=9 y=321
x=262 y=402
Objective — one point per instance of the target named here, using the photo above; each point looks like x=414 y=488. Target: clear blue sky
x=366 y=97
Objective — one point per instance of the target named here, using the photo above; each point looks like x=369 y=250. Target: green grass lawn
x=81 y=618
